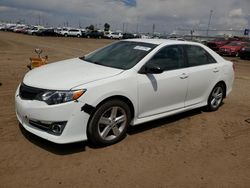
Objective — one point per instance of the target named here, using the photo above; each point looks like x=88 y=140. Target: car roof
x=161 y=41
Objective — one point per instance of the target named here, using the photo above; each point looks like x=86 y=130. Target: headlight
x=58 y=97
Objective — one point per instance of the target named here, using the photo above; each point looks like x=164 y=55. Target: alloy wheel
x=217 y=97
x=112 y=123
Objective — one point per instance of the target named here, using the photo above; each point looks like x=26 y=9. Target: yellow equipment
x=37 y=61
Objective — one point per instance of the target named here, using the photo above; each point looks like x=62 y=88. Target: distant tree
x=91 y=27
x=106 y=27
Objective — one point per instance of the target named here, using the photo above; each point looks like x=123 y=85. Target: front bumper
x=70 y=112
x=224 y=52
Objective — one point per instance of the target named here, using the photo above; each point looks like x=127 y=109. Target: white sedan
x=96 y=97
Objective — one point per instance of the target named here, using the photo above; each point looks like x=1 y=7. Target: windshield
x=121 y=55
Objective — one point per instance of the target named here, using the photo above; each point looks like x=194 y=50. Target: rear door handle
x=183 y=76
x=216 y=70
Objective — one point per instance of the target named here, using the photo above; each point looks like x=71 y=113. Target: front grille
x=29 y=93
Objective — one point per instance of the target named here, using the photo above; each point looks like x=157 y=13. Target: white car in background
x=64 y=32
x=96 y=97
x=75 y=33
x=34 y=30
x=71 y=32
x=115 y=35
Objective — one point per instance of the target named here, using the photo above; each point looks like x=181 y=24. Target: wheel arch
x=118 y=97
x=122 y=98
x=224 y=87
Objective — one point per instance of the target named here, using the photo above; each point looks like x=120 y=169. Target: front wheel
x=216 y=97
x=109 y=123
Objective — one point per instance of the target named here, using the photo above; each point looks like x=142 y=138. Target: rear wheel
x=66 y=35
x=109 y=123
x=216 y=97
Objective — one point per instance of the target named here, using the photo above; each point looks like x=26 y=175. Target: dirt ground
x=194 y=149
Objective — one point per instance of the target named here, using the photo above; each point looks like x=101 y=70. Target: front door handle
x=184 y=76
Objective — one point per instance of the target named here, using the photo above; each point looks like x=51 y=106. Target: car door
x=204 y=73
x=159 y=93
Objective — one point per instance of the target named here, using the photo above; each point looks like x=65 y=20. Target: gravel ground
x=193 y=149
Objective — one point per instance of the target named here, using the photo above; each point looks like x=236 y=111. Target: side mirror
x=151 y=69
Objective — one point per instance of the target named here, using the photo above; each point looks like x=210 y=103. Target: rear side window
x=196 y=56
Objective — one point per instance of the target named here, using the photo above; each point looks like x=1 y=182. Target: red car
x=217 y=43
x=232 y=49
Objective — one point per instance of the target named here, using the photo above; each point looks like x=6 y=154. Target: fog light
x=57 y=128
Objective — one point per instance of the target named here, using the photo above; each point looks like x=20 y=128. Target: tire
x=108 y=124
x=242 y=57
x=66 y=35
x=237 y=54
x=216 y=97
x=78 y=36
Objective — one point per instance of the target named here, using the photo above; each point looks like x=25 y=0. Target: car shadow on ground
x=58 y=149
x=67 y=149
x=166 y=121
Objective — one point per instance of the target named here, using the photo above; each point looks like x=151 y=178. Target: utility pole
x=209 y=22
x=39 y=19
x=191 y=33
x=153 y=29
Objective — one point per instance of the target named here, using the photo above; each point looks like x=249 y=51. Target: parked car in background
x=2 y=27
x=69 y=32
x=232 y=48
x=46 y=32
x=217 y=43
x=97 y=96
x=10 y=27
x=115 y=35
x=19 y=28
x=93 y=34
x=34 y=30
x=244 y=53
x=75 y=33
x=128 y=36
x=64 y=31
x=58 y=30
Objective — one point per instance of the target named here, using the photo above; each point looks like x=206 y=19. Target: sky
x=131 y=15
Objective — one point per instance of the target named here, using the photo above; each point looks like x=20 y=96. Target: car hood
x=67 y=74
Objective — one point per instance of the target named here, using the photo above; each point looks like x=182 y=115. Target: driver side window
x=169 y=58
